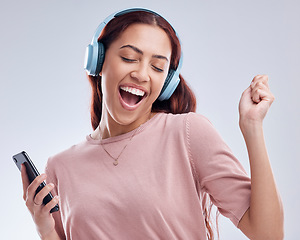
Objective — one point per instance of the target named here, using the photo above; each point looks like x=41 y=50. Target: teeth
x=134 y=91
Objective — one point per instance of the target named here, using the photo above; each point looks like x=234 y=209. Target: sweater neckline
x=125 y=135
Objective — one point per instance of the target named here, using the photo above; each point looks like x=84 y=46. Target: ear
x=100 y=74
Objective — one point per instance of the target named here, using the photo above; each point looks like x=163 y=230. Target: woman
x=147 y=169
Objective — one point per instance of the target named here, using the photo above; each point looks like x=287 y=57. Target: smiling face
x=134 y=70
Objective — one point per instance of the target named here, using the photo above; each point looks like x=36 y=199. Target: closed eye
x=157 y=69
x=128 y=59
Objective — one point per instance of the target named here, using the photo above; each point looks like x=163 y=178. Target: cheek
x=157 y=85
x=111 y=76
x=105 y=90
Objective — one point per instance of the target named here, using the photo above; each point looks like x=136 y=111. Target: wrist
x=250 y=126
x=51 y=236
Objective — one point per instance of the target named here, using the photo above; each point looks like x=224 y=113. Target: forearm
x=266 y=211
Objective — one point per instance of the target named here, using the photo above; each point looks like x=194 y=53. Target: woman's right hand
x=40 y=213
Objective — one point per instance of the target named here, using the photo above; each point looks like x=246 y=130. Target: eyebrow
x=141 y=52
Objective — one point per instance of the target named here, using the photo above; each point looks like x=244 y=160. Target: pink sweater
x=157 y=190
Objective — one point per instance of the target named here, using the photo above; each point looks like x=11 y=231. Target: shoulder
x=189 y=120
x=186 y=125
x=63 y=158
x=185 y=118
x=199 y=129
x=198 y=122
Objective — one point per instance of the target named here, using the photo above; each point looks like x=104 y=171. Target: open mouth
x=131 y=96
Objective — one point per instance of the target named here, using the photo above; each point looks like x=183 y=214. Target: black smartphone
x=32 y=172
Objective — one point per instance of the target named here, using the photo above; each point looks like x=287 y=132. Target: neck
x=109 y=127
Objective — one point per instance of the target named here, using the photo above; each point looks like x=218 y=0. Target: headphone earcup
x=170 y=85
x=100 y=59
x=94 y=58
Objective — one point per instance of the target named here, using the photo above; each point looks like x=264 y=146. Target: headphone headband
x=120 y=13
x=94 y=55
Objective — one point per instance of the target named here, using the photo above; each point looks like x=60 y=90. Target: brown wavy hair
x=183 y=99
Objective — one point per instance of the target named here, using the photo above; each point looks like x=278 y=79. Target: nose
x=141 y=73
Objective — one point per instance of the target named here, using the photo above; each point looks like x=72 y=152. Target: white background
x=45 y=96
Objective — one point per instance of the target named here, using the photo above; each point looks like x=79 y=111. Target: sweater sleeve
x=51 y=178
x=217 y=170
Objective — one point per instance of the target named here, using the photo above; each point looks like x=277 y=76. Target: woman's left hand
x=264 y=218
x=255 y=101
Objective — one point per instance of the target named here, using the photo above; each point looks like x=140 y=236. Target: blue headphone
x=94 y=56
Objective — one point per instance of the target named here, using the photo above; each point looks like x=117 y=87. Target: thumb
x=25 y=180
x=245 y=98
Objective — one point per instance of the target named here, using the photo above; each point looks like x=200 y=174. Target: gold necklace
x=116 y=159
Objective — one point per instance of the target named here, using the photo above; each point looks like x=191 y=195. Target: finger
x=47 y=208
x=261 y=86
x=258 y=85
x=38 y=199
x=246 y=96
x=262 y=95
x=260 y=78
x=256 y=96
x=31 y=190
x=25 y=180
